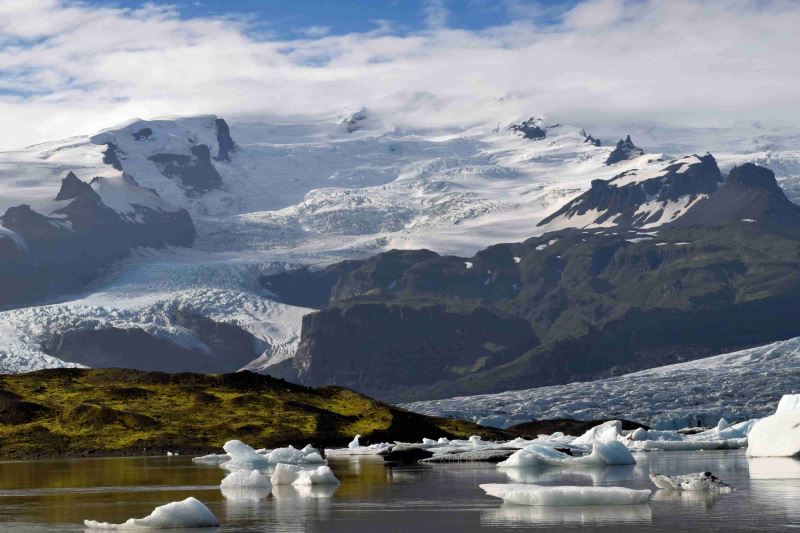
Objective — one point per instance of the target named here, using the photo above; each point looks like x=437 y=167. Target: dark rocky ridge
x=569 y=305
x=195 y=172
x=226 y=348
x=625 y=150
x=620 y=203
x=66 y=249
x=530 y=129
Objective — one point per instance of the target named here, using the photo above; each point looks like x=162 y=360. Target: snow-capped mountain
x=270 y=195
x=735 y=386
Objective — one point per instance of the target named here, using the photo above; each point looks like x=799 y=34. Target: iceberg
x=245 y=479
x=298 y=476
x=354 y=443
x=606 y=431
x=777 y=435
x=242 y=455
x=322 y=475
x=291 y=455
x=212 y=458
x=188 y=513
x=603 y=453
x=524 y=494
x=788 y=402
x=695 y=481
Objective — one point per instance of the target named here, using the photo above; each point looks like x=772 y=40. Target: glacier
x=737 y=386
x=299 y=191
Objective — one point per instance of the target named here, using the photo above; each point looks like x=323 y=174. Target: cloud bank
x=68 y=68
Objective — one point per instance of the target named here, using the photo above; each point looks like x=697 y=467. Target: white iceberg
x=212 y=458
x=788 y=402
x=603 y=453
x=606 y=431
x=245 y=479
x=322 y=475
x=285 y=474
x=777 y=435
x=291 y=455
x=354 y=443
x=524 y=494
x=242 y=455
x=188 y=513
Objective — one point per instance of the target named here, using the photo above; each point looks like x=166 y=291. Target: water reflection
x=240 y=494
x=697 y=498
x=520 y=515
x=301 y=492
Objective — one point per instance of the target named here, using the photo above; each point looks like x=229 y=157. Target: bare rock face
x=530 y=129
x=195 y=172
x=625 y=150
x=63 y=250
x=224 y=140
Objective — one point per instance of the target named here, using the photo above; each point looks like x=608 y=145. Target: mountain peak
x=72 y=187
x=530 y=129
x=625 y=149
x=751 y=175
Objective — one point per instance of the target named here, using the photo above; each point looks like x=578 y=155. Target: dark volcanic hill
x=574 y=304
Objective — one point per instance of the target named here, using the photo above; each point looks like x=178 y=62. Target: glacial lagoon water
x=57 y=495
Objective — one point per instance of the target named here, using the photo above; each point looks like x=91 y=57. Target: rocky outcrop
x=639 y=198
x=571 y=305
x=224 y=140
x=195 y=172
x=625 y=150
x=64 y=249
x=530 y=129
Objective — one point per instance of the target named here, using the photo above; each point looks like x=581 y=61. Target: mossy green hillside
x=73 y=412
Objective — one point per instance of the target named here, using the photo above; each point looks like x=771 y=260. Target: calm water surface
x=373 y=497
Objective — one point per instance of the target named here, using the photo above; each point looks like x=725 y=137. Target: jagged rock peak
x=224 y=140
x=72 y=187
x=625 y=150
x=588 y=139
x=530 y=129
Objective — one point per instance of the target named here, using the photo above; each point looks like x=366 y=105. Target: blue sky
x=287 y=19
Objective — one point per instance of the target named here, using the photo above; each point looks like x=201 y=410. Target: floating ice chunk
x=186 y=514
x=291 y=455
x=443 y=440
x=296 y=475
x=610 y=452
x=476 y=440
x=354 y=443
x=606 y=431
x=285 y=474
x=428 y=442
x=249 y=479
x=603 y=453
x=212 y=458
x=524 y=494
x=788 y=402
x=242 y=455
x=322 y=475
x=695 y=481
x=777 y=435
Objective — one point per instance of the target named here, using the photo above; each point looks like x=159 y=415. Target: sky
x=70 y=67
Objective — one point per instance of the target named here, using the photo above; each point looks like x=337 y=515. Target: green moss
x=115 y=412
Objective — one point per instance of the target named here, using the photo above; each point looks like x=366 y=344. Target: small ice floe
x=603 y=453
x=189 y=513
x=777 y=435
x=525 y=494
x=354 y=443
x=243 y=456
x=170 y=454
x=695 y=481
x=298 y=476
x=212 y=458
x=245 y=479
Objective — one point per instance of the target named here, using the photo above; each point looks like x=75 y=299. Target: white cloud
x=436 y=13
x=689 y=61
